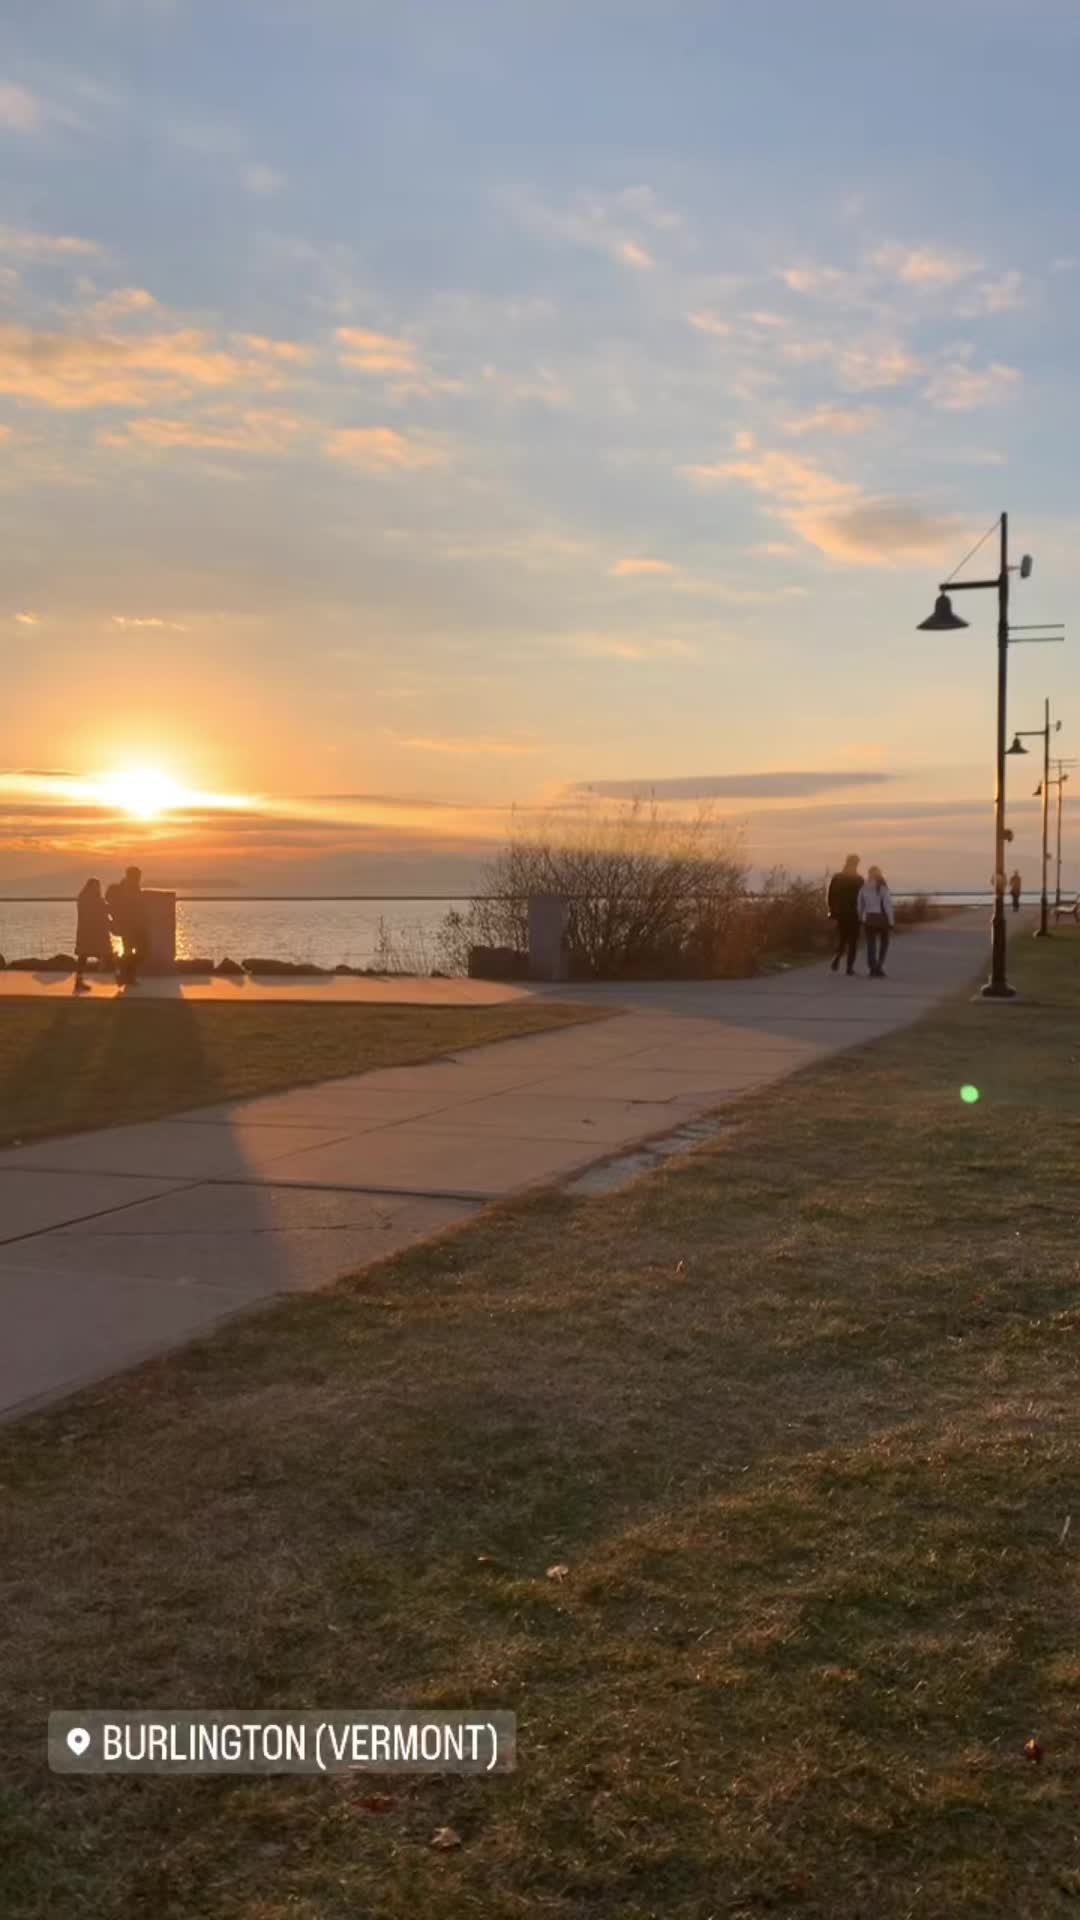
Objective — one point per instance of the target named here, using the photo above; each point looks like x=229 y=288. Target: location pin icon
x=78 y=1740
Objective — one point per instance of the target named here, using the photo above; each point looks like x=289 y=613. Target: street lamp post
x=944 y=620
x=1043 y=732
x=1057 y=780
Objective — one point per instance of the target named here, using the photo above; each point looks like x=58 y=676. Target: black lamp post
x=1029 y=733
x=1058 y=780
x=944 y=620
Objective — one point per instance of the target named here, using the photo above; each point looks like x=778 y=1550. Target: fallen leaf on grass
x=1065 y=1530
x=376 y=1802
x=559 y=1571
x=680 y=1266
x=444 y=1838
x=1033 y=1751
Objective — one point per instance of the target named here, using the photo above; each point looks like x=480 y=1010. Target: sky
x=417 y=419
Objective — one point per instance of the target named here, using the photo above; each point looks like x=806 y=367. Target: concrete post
x=160 y=909
x=549 y=915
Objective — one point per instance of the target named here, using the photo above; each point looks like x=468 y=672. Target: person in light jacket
x=878 y=917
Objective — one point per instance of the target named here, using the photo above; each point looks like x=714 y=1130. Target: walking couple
x=120 y=910
x=853 y=903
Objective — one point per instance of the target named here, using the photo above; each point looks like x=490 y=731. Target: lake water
x=324 y=932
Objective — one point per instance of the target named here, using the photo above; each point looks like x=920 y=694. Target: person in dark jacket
x=843 y=904
x=127 y=911
x=93 y=940
x=1016 y=887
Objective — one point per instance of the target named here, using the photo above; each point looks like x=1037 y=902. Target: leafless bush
x=649 y=899
x=912 y=912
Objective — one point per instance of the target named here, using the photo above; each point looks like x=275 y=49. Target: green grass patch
x=799 y=1413
x=67 y=1065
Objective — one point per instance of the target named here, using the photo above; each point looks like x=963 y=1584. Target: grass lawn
x=65 y=1065
x=800 y=1414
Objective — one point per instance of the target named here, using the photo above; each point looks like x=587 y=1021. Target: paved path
x=117 y=1244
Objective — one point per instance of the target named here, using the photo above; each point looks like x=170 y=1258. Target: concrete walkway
x=231 y=990
x=118 y=1244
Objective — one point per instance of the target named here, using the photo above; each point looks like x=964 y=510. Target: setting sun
x=143 y=792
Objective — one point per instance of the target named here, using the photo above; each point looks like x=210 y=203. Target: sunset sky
x=409 y=411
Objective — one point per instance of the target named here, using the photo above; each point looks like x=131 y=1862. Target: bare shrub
x=649 y=898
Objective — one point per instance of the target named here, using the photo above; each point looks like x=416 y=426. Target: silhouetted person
x=1015 y=888
x=878 y=916
x=93 y=940
x=127 y=911
x=843 y=905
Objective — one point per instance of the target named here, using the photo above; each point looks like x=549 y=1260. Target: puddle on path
x=617 y=1173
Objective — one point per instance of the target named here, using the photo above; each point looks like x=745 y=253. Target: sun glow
x=144 y=793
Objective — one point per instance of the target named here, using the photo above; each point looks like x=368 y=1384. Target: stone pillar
x=160 y=909
x=549 y=915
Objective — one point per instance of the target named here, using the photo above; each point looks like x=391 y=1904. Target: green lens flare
x=969 y=1095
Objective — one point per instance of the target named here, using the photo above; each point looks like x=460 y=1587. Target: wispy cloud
x=1005 y=294
x=835 y=420
x=251 y=430
x=383 y=449
x=779 y=475
x=73 y=371
x=20 y=110
x=24 y=243
x=712 y=323
x=959 y=387
x=636 y=567
x=877 y=532
x=625 y=226
x=923 y=267
x=262 y=180
x=834 y=515
x=466 y=746
x=734 y=786
x=372 y=352
x=630 y=647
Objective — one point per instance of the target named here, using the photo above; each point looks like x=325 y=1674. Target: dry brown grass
x=70 y=1064
x=800 y=1415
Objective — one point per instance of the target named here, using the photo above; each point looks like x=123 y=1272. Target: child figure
x=93 y=940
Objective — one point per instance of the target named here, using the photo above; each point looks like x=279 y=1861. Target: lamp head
x=1017 y=746
x=943 y=619
x=1026 y=565
x=1037 y=795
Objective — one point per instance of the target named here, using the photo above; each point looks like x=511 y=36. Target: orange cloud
x=923 y=266
x=377 y=352
x=291 y=352
x=710 y=323
x=250 y=431
x=877 y=533
x=633 y=255
x=839 y=420
x=623 y=568
x=780 y=474
x=71 y=371
x=44 y=246
x=480 y=744
x=380 y=449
